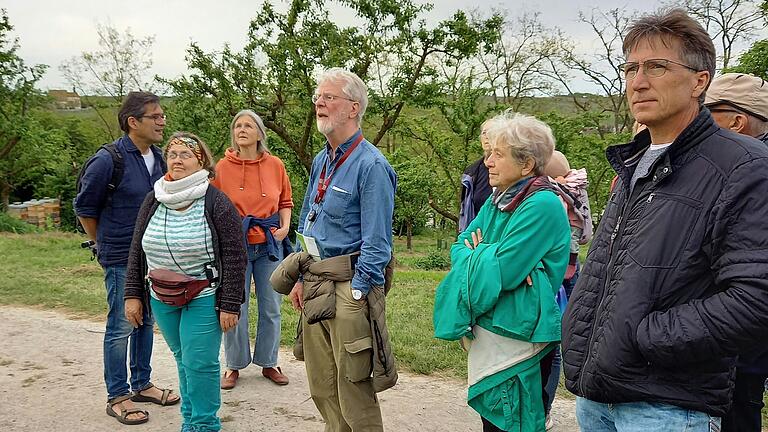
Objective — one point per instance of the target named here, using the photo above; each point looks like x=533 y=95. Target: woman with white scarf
x=190 y=230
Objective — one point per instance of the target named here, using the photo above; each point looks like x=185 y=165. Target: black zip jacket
x=676 y=280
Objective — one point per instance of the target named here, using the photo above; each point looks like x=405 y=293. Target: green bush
x=435 y=260
x=10 y=224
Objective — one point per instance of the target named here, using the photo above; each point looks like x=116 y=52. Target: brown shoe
x=276 y=375
x=229 y=380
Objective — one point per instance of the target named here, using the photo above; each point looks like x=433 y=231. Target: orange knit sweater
x=258 y=187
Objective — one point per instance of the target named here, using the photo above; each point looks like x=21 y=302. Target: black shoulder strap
x=118 y=168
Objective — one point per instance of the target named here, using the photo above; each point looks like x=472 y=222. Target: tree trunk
x=409 y=236
x=5 y=195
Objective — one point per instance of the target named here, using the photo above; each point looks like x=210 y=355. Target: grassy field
x=50 y=271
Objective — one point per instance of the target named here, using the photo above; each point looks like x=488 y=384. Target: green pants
x=338 y=354
x=193 y=334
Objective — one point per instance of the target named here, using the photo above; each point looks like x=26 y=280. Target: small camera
x=211 y=273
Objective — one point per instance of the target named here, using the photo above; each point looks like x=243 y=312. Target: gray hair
x=525 y=136
x=353 y=87
x=262 y=146
x=696 y=47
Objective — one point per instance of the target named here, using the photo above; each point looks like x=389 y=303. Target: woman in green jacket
x=499 y=296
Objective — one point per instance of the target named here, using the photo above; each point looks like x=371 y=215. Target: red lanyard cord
x=323 y=182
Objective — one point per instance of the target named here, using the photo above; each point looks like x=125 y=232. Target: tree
x=122 y=64
x=601 y=69
x=390 y=47
x=412 y=195
x=18 y=98
x=728 y=22
x=754 y=61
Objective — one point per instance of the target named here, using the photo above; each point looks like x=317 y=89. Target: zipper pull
x=616 y=228
x=650 y=197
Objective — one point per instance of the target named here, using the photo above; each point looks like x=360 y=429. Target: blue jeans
x=554 y=380
x=237 y=349
x=117 y=336
x=641 y=417
x=193 y=334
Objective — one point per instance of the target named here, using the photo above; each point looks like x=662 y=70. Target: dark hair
x=696 y=47
x=205 y=152
x=135 y=105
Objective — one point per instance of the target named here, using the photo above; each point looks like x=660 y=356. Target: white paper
x=309 y=245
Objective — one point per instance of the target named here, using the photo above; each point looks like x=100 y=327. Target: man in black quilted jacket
x=676 y=280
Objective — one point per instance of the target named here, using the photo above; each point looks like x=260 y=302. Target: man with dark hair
x=109 y=217
x=675 y=284
x=739 y=102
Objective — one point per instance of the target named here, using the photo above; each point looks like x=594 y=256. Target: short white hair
x=525 y=136
x=352 y=86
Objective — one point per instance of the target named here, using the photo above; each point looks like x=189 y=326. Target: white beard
x=325 y=126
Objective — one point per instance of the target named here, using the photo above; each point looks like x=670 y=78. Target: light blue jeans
x=237 y=344
x=119 y=335
x=641 y=417
x=193 y=334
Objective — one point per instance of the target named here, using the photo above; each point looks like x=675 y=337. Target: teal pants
x=194 y=335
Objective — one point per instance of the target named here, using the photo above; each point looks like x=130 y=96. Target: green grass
x=50 y=271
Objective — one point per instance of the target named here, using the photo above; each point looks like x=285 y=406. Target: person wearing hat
x=258 y=185
x=739 y=102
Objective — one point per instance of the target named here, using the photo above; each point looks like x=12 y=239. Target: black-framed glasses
x=156 y=117
x=652 y=68
x=328 y=98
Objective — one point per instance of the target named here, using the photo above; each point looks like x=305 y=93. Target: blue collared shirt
x=116 y=221
x=356 y=213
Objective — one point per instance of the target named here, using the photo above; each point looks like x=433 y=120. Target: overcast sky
x=51 y=31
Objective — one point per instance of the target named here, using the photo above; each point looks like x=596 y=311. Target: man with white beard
x=347 y=209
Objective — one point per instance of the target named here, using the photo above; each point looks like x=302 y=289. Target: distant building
x=65 y=100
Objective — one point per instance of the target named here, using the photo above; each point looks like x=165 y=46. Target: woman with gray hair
x=258 y=185
x=499 y=297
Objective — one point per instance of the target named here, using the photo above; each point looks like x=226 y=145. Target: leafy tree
x=18 y=97
x=754 y=61
x=390 y=47
x=413 y=190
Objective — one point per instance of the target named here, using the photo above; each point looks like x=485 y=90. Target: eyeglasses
x=652 y=68
x=183 y=155
x=156 y=117
x=328 y=98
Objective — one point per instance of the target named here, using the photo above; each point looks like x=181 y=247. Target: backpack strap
x=118 y=169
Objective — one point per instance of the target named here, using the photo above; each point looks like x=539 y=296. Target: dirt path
x=51 y=379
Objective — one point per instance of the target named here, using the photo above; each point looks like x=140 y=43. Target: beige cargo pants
x=338 y=354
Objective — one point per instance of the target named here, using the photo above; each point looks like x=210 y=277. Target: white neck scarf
x=181 y=193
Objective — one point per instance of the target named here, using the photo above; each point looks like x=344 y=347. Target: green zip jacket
x=487 y=287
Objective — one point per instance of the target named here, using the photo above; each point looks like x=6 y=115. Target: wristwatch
x=357 y=294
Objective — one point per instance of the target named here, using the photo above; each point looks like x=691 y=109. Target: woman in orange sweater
x=257 y=183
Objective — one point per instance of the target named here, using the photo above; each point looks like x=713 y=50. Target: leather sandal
x=229 y=381
x=275 y=374
x=122 y=417
x=164 y=398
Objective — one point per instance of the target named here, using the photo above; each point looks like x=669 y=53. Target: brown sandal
x=124 y=413
x=163 y=401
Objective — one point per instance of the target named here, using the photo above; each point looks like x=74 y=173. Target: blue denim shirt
x=356 y=214
x=116 y=221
